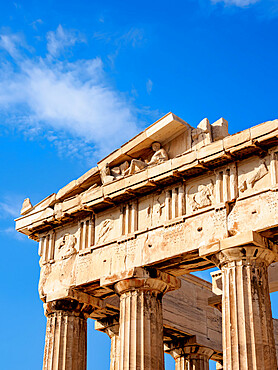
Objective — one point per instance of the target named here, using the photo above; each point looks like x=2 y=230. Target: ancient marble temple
x=118 y=245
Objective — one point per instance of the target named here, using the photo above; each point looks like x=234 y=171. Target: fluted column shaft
x=198 y=363
x=248 y=339
x=113 y=332
x=66 y=337
x=115 y=352
x=141 y=323
x=191 y=357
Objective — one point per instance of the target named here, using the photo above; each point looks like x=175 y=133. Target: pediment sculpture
x=160 y=155
x=110 y=174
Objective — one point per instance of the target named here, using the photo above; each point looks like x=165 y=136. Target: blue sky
x=77 y=79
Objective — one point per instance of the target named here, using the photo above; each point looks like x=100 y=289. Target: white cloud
x=133 y=36
x=12 y=233
x=59 y=40
x=37 y=22
x=73 y=100
x=149 y=86
x=239 y=3
x=11 y=44
x=10 y=206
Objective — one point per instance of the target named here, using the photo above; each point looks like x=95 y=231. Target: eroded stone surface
x=174 y=199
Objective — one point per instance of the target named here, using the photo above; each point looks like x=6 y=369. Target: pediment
x=174 y=136
x=163 y=131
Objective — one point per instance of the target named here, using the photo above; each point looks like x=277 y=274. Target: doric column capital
x=189 y=355
x=147 y=279
x=184 y=348
x=67 y=307
x=193 y=351
x=245 y=248
x=246 y=255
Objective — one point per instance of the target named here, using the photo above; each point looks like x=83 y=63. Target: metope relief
x=67 y=246
x=151 y=211
x=253 y=177
x=158 y=207
x=157 y=210
x=105 y=227
x=201 y=196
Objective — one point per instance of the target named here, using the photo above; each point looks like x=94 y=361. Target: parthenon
x=119 y=244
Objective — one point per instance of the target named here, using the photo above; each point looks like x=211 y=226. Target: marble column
x=113 y=333
x=248 y=338
x=190 y=357
x=110 y=326
x=141 y=322
x=66 y=336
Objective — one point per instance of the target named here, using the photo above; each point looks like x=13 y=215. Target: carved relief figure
x=118 y=172
x=105 y=227
x=249 y=180
x=203 y=198
x=158 y=206
x=201 y=135
x=68 y=245
x=108 y=175
x=105 y=175
x=160 y=155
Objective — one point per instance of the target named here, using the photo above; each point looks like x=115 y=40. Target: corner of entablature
x=247 y=246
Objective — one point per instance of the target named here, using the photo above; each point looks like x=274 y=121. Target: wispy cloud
x=239 y=3
x=12 y=233
x=262 y=9
x=10 y=206
x=134 y=36
x=37 y=22
x=11 y=44
x=61 y=39
x=149 y=86
x=73 y=103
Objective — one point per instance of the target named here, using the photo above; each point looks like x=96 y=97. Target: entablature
x=222 y=157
